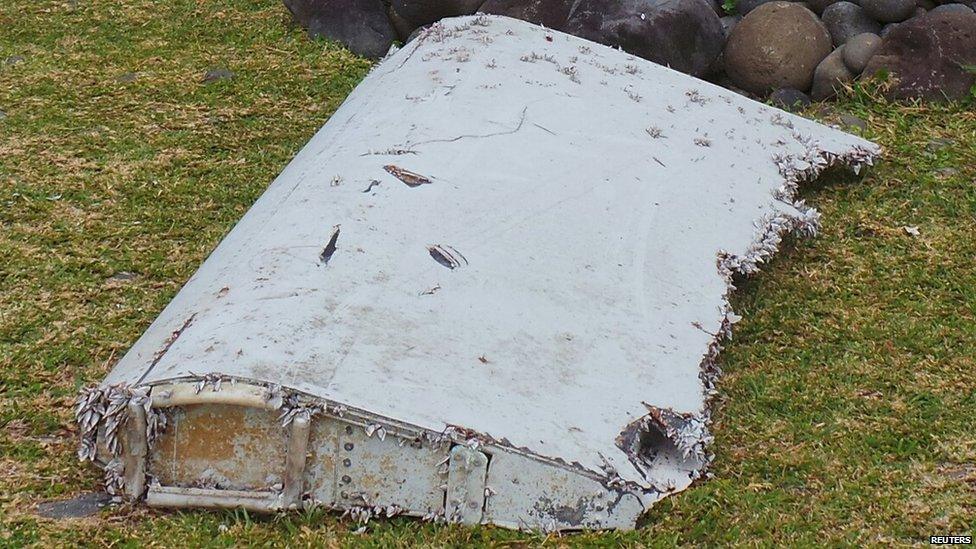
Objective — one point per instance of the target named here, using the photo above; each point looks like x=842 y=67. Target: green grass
x=846 y=415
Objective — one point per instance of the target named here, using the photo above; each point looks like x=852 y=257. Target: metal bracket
x=295 y=462
x=466 y=475
x=136 y=452
x=174 y=496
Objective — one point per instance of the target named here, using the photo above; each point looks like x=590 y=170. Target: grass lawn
x=847 y=414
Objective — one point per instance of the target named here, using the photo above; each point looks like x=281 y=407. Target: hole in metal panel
x=330 y=247
x=447 y=256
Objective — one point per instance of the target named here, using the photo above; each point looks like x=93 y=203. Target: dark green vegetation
x=846 y=415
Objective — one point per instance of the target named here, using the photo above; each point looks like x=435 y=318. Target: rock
x=949 y=8
x=728 y=23
x=777 y=45
x=717 y=7
x=789 y=99
x=425 y=12
x=888 y=28
x=120 y=278
x=548 y=13
x=744 y=7
x=889 y=11
x=859 y=49
x=403 y=27
x=127 y=77
x=3 y=115
x=84 y=505
x=13 y=60
x=416 y=32
x=683 y=34
x=928 y=56
x=830 y=76
x=849 y=121
x=818 y=6
x=939 y=143
x=361 y=25
x=213 y=75
x=845 y=20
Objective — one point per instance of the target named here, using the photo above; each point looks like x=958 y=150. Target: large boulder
x=548 y=13
x=425 y=12
x=778 y=45
x=846 y=20
x=930 y=57
x=362 y=25
x=685 y=35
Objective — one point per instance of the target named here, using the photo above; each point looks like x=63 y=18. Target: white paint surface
x=591 y=284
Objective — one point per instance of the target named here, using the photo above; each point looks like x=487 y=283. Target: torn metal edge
x=691 y=433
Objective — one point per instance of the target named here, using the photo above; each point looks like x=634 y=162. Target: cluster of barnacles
x=688 y=432
x=107 y=408
x=469 y=437
x=710 y=370
x=771 y=230
x=88 y=414
x=98 y=407
x=292 y=407
x=569 y=70
x=375 y=429
x=114 y=479
x=362 y=513
x=212 y=379
x=438 y=32
x=436 y=517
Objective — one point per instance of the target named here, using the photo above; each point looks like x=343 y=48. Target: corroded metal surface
x=507 y=239
x=219 y=445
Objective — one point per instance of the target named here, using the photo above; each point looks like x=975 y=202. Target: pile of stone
x=787 y=51
x=791 y=49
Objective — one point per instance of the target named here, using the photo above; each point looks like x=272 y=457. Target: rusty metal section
x=220 y=446
x=516 y=321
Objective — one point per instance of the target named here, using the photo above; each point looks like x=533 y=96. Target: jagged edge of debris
x=691 y=432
